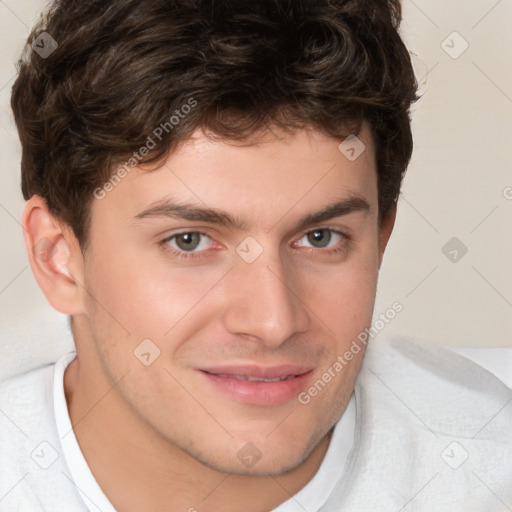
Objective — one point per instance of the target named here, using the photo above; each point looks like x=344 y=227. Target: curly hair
x=123 y=67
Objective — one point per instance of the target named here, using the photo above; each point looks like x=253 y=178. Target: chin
x=271 y=460
x=262 y=468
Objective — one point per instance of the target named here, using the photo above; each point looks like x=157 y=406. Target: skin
x=161 y=437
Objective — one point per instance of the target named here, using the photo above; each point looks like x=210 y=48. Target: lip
x=233 y=381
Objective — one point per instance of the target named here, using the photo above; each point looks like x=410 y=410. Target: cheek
x=343 y=297
x=347 y=310
x=133 y=298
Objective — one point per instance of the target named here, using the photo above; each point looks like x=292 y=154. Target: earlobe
x=52 y=249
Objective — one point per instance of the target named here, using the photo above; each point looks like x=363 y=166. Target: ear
x=55 y=256
x=385 y=229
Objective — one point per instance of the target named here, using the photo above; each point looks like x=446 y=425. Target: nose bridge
x=263 y=301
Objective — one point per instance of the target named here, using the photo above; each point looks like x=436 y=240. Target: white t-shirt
x=43 y=469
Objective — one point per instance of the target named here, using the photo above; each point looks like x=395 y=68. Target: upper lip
x=259 y=372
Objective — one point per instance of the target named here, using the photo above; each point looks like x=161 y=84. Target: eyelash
x=183 y=254
x=199 y=254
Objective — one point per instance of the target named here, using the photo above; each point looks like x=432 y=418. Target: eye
x=322 y=238
x=191 y=241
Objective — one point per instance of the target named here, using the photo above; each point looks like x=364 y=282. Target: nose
x=264 y=302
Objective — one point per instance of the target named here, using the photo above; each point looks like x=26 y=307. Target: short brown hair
x=122 y=67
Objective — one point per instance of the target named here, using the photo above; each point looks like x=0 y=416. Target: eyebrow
x=191 y=212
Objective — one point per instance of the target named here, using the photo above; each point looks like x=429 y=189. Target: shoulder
x=401 y=356
x=26 y=416
x=429 y=418
x=440 y=382
x=32 y=465
x=25 y=400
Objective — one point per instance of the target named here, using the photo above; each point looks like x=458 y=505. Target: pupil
x=320 y=238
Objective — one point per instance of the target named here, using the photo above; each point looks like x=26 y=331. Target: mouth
x=258 y=385
x=256 y=379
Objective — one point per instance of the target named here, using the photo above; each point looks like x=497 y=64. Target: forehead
x=263 y=179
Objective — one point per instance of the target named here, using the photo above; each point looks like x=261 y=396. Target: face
x=247 y=270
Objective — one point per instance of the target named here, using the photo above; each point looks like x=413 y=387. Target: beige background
x=459 y=184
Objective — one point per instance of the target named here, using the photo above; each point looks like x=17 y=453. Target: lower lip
x=260 y=393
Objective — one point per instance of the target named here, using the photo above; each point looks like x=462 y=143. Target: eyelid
x=188 y=231
x=305 y=232
x=345 y=232
x=192 y=229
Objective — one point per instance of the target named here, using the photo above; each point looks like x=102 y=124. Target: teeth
x=257 y=379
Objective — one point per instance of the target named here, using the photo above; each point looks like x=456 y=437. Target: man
x=210 y=190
